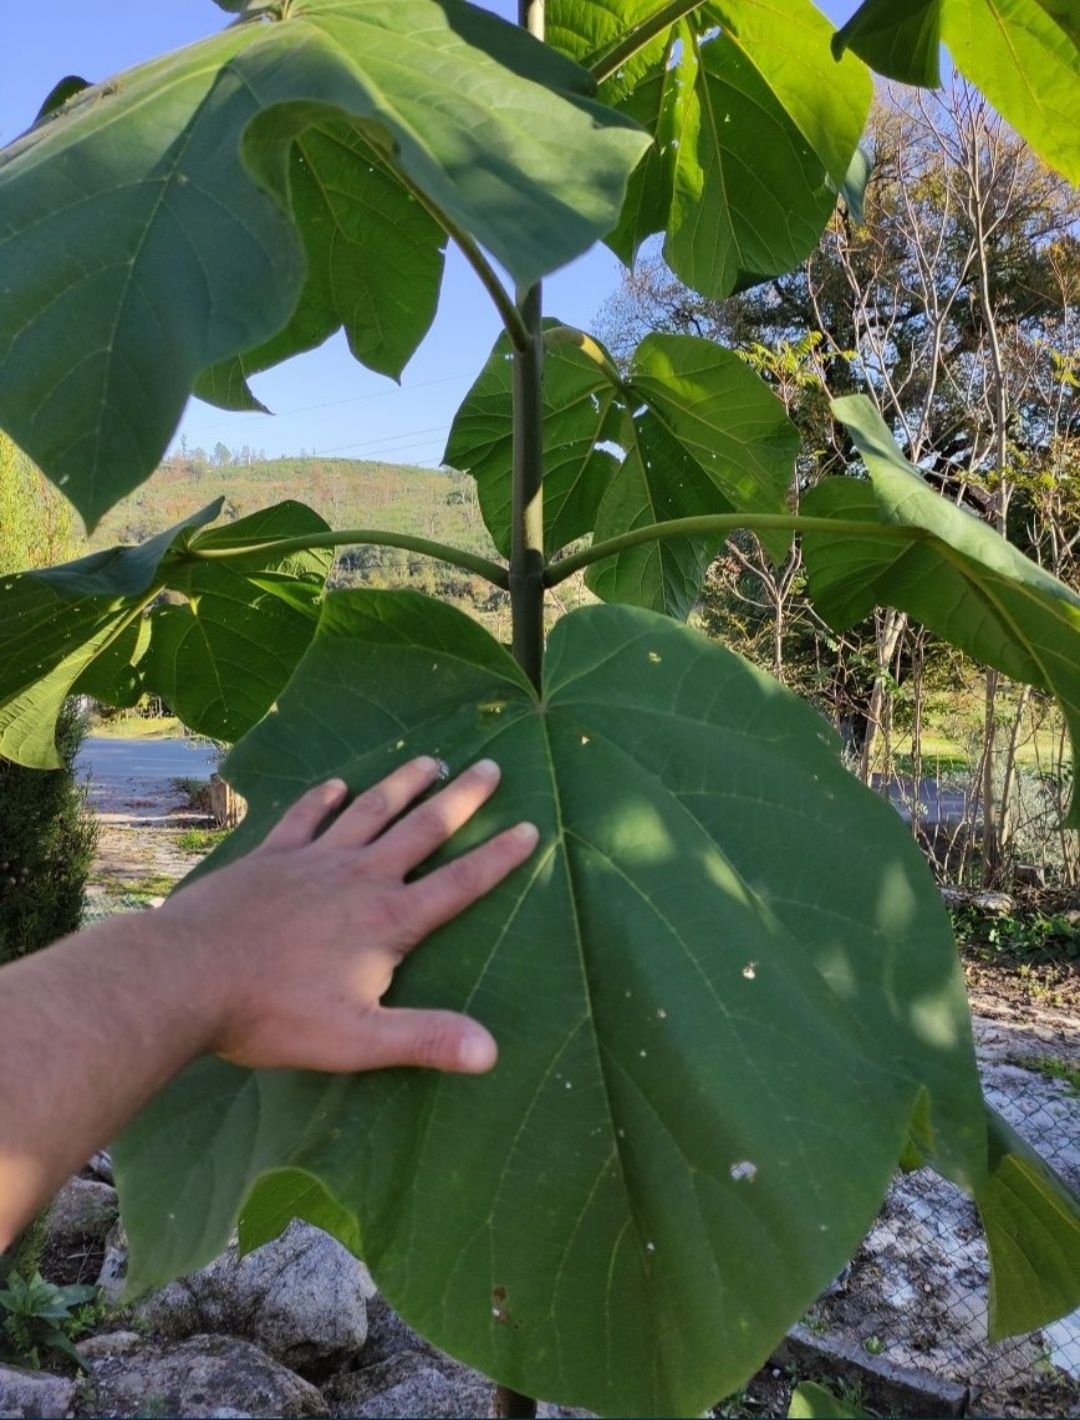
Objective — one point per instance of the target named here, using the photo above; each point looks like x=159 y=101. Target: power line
x=352 y=399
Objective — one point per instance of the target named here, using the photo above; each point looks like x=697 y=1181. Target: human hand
x=302 y=935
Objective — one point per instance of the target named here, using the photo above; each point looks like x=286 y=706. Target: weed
x=1050 y=1068
x=201 y=840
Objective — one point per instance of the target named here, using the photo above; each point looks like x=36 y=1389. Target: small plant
x=1027 y=939
x=1050 y=1068
x=40 y=1317
x=874 y=1345
x=201 y=840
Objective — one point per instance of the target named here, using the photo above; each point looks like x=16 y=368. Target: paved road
x=110 y=761
x=940 y=804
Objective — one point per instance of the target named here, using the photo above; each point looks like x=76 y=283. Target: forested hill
x=346 y=492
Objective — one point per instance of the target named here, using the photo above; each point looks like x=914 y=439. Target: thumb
x=431 y=1040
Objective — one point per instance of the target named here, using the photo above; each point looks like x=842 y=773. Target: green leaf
x=962 y=579
x=579 y=399
x=59 y=94
x=1024 y=55
x=1032 y=1222
x=696 y=430
x=219 y=660
x=150 y=226
x=707 y=1069
x=703 y=435
x=754 y=128
x=374 y=264
x=810 y=1401
x=55 y=623
x=284 y=1194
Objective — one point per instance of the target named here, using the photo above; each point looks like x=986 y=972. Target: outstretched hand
x=304 y=933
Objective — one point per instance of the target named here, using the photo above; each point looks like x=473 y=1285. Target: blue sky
x=324 y=400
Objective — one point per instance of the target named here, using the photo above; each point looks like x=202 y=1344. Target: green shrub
x=47 y=837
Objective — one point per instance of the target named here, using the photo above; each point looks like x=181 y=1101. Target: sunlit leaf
x=1024 y=55
x=706 y=1071
x=148 y=231
x=754 y=127
x=961 y=578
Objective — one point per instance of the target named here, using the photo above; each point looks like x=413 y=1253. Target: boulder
x=113 y=1275
x=411 y=1383
x=75 y=1228
x=26 y=1394
x=202 y=1378
x=302 y=1298
x=388 y=1334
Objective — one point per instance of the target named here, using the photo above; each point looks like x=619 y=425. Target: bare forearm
x=89 y=1030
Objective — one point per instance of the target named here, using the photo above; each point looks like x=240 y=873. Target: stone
x=202 y=1378
x=26 y=1395
x=388 y=1334
x=74 y=1230
x=302 y=1298
x=411 y=1383
x=112 y=1278
x=84 y=1210
x=101 y=1166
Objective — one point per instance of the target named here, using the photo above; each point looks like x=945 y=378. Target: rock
x=203 y=1378
x=411 y=1383
x=101 y=1166
x=109 y=1343
x=998 y=902
x=83 y=1210
x=388 y=1335
x=33 y=1393
x=302 y=1298
x=75 y=1229
x=113 y=1275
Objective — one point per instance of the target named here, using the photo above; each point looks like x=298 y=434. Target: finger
x=426 y=828
x=299 y=824
x=371 y=811
x=432 y=1040
x=441 y=895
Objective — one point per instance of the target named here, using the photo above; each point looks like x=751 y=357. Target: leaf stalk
x=612 y=59
x=712 y=524
x=351 y=537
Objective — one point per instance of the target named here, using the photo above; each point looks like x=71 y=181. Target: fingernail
x=427 y=764
x=476 y=1052
x=335 y=787
x=486 y=769
x=527 y=833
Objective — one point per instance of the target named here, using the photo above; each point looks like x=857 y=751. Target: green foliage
x=47 y=838
x=201 y=840
x=38 y=1318
x=1028 y=937
x=637 y=794
x=195 y=234
x=811 y=1401
x=1024 y=56
x=1050 y=1068
x=725 y=82
x=724 y=988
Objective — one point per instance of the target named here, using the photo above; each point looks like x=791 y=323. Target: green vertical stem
x=527 y=497
x=527 y=542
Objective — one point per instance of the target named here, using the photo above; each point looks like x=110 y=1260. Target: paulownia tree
x=725 y=988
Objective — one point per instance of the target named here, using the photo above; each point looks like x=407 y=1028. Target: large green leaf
x=220 y=659
x=962 y=579
x=1032 y=1222
x=754 y=127
x=149 y=226
x=698 y=431
x=721 y=988
x=1023 y=54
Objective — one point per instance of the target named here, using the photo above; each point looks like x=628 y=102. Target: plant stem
x=511 y=316
x=350 y=537
x=527 y=542
x=527 y=497
x=625 y=48
x=711 y=524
